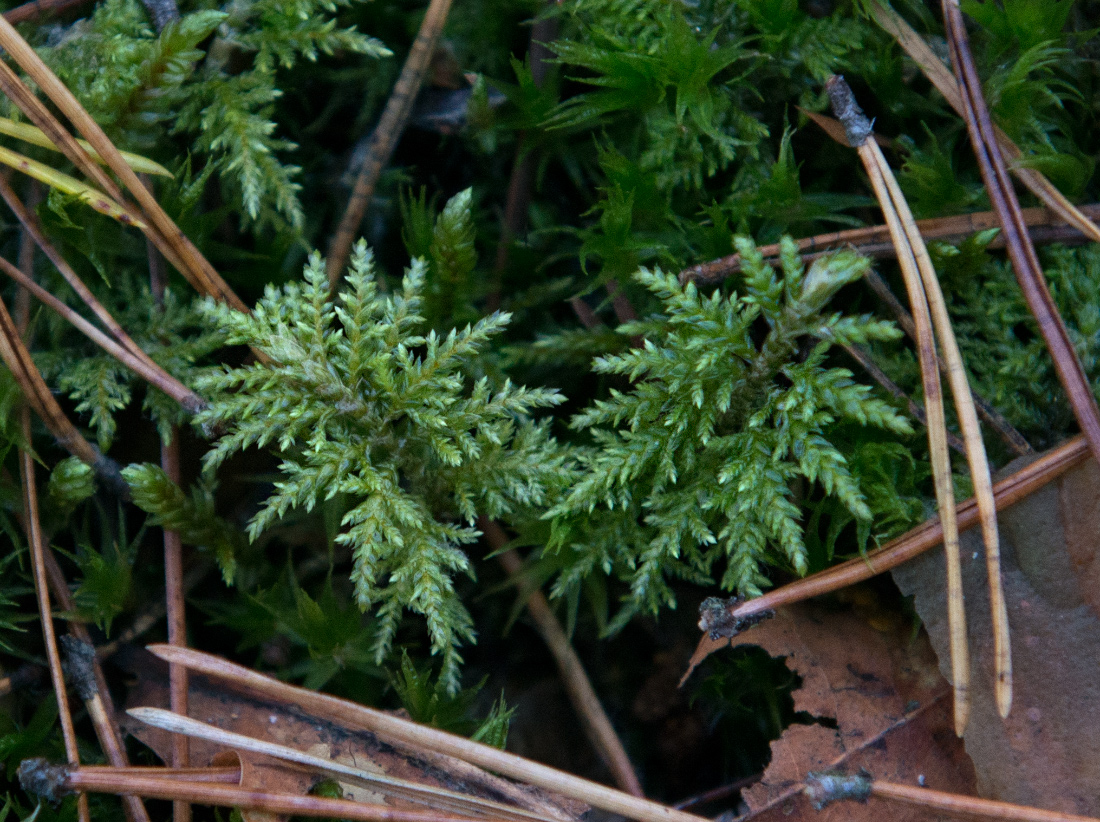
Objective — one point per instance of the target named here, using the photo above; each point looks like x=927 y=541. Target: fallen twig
x=874 y=241
x=55 y=781
x=437 y=798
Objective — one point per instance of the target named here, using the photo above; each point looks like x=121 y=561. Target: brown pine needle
x=33 y=528
x=582 y=695
x=38 y=395
x=859 y=130
x=61 y=779
x=874 y=241
x=143 y=366
x=1021 y=252
x=825 y=788
x=411 y=791
x=972 y=435
x=924 y=537
x=385 y=136
x=167 y=236
x=947 y=85
x=395 y=728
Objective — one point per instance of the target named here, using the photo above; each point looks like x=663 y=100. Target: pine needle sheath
x=859 y=131
x=385 y=136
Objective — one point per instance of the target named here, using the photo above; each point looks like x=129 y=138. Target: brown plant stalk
x=385 y=137
x=874 y=240
x=578 y=686
x=42 y=401
x=825 y=788
x=955 y=95
x=143 y=366
x=433 y=797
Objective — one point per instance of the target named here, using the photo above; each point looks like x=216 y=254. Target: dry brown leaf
x=880 y=689
x=282 y=724
x=1047 y=753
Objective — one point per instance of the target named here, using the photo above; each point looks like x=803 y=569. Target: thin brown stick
x=874 y=241
x=879 y=376
x=859 y=130
x=827 y=788
x=33 y=229
x=177 y=620
x=33 y=528
x=21 y=309
x=1006 y=430
x=86 y=677
x=954 y=93
x=38 y=395
x=421 y=736
x=597 y=726
x=924 y=537
x=385 y=137
x=143 y=366
x=1021 y=252
x=969 y=806
x=225 y=774
x=106 y=780
x=39 y=8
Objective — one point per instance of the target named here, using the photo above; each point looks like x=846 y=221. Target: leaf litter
x=1046 y=754
x=875 y=698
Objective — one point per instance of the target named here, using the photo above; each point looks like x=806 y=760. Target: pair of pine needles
x=934 y=324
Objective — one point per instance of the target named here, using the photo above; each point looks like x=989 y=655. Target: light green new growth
x=699 y=461
x=359 y=400
x=193 y=518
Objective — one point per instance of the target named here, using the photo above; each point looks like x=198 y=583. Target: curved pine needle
x=859 y=131
x=68 y=185
x=31 y=134
x=972 y=435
